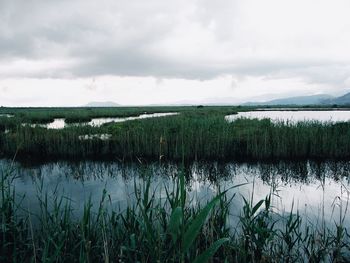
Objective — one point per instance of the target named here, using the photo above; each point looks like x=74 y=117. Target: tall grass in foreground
x=152 y=229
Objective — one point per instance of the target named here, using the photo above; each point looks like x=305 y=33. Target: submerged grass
x=153 y=229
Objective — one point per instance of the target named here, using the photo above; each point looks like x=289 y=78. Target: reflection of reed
x=162 y=222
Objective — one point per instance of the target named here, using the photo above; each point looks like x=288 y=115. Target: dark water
x=316 y=190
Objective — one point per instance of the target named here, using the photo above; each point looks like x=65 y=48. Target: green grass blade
x=175 y=222
x=257 y=206
x=209 y=253
x=197 y=223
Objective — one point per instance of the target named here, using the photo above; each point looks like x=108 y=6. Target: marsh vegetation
x=193 y=134
x=149 y=199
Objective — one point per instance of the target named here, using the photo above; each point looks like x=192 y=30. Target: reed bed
x=194 y=134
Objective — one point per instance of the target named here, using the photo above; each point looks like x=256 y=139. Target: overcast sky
x=70 y=52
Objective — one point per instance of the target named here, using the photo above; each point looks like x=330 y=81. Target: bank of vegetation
x=76 y=114
x=197 y=133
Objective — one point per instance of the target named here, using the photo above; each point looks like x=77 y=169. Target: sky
x=133 y=52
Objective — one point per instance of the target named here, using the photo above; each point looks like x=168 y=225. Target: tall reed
x=154 y=229
x=193 y=135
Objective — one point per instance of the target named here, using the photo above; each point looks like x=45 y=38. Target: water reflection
x=313 y=188
x=60 y=123
x=97 y=122
x=103 y=137
x=56 y=124
x=293 y=116
x=6 y=115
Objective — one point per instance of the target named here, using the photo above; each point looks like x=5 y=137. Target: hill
x=342 y=100
x=300 y=100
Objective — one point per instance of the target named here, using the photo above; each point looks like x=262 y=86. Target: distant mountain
x=102 y=104
x=301 y=100
x=207 y=102
x=342 y=100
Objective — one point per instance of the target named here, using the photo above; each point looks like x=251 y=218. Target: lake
x=317 y=190
x=293 y=116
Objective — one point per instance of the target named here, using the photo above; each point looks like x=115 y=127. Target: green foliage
x=194 y=134
x=258 y=229
x=209 y=253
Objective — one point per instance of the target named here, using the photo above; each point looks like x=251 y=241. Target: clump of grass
x=258 y=229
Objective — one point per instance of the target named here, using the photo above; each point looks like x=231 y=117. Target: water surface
x=59 y=123
x=7 y=115
x=97 y=122
x=316 y=190
x=293 y=116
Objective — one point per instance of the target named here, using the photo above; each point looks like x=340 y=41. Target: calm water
x=7 y=115
x=60 y=123
x=99 y=121
x=315 y=189
x=294 y=116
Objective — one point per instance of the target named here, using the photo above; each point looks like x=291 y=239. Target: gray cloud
x=4 y=89
x=172 y=39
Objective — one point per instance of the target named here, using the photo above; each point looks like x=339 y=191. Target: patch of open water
x=292 y=116
x=315 y=190
x=60 y=123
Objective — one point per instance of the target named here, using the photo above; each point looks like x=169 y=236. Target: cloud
x=185 y=39
x=92 y=86
x=4 y=89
